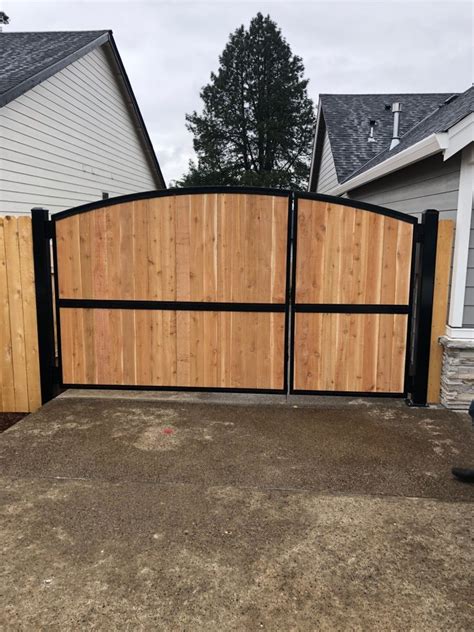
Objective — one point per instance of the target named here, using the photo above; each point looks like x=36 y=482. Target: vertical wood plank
x=156 y=233
x=348 y=254
x=375 y=255
x=127 y=252
x=403 y=263
x=77 y=292
x=129 y=360
x=384 y=360
x=6 y=359
x=399 y=342
x=143 y=323
x=16 y=314
x=67 y=335
x=370 y=342
x=389 y=261
x=170 y=252
x=183 y=246
x=63 y=247
x=29 y=312
x=127 y=268
x=440 y=306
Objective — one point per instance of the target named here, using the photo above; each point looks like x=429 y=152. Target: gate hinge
x=48 y=229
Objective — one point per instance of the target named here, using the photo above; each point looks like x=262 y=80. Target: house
x=410 y=152
x=71 y=131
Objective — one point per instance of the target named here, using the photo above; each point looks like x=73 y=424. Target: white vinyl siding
x=431 y=183
x=327 y=178
x=69 y=139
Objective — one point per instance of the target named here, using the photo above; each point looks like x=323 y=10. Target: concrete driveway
x=179 y=514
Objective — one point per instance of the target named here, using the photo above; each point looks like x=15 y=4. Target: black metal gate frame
x=418 y=309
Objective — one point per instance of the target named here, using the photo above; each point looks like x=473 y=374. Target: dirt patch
x=10 y=419
x=132 y=556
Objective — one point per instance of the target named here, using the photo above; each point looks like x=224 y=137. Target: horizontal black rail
x=194 y=306
x=298 y=391
x=192 y=389
x=346 y=308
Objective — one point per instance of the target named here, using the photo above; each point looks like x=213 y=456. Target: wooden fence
x=440 y=306
x=19 y=365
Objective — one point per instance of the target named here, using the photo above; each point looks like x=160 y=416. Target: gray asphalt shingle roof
x=438 y=121
x=26 y=58
x=348 y=116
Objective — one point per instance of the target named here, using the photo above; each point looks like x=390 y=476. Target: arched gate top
x=295 y=195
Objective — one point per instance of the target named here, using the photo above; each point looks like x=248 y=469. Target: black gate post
x=429 y=233
x=41 y=227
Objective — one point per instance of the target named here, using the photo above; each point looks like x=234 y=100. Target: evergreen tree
x=257 y=121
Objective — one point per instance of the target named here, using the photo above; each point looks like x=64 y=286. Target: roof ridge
x=384 y=94
x=361 y=168
x=43 y=73
x=55 y=32
x=410 y=131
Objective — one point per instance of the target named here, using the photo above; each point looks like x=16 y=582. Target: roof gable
x=347 y=118
x=26 y=59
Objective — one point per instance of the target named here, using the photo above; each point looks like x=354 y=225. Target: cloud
x=170 y=48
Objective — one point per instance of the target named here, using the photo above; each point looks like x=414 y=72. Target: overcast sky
x=169 y=49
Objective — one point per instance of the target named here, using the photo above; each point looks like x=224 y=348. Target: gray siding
x=327 y=178
x=69 y=139
x=430 y=183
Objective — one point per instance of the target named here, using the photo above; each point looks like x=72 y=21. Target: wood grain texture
x=19 y=365
x=200 y=247
x=350 y=352
x=6 y=360
x=440 y=306
x=25 y=243
x=348 y=255
x=174 y=348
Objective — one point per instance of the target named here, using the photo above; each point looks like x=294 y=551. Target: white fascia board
x=459 y=136
x=423 y=149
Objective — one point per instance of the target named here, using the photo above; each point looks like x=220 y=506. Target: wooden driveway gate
x=175 y=291
x=352 y=299
x=235 y=289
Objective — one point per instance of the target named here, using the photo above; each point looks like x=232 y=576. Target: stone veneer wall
x=457 y=375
